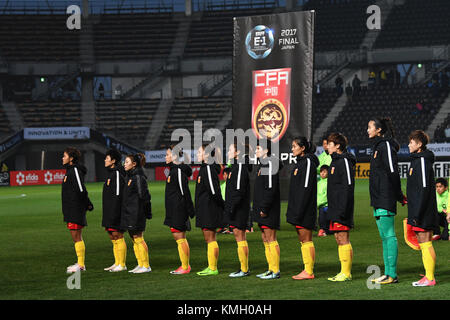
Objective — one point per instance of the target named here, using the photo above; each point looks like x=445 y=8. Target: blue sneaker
x=239 y=274
x=271 y=275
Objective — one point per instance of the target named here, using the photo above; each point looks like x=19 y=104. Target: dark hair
x=180 y=153
x=73 y=153
x=442 y=181
x=420 y=136
x=324 y=167
x=340 y=139
x=303 y=142
x=114 y=154
x=138 y=158
x=384 y=124
x=266 y=144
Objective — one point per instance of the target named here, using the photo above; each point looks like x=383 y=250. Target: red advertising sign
x=36 y=177
x=161 y=173
x=271 y=102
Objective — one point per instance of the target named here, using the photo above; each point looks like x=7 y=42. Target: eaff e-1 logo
x=271 y=101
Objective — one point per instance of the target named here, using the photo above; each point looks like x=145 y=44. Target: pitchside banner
x=273 y=75
x=441 y=169
x=36 y=177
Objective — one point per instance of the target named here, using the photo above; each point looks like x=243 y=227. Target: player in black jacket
x=422 y=207
x=75 y=202
x=209 y=206
x=237 y=204
x=385 y=190
x=266 y=205
x=340 y=192
x=179 y=206
x=302 y=204
x=136 y=208
x=112 y=208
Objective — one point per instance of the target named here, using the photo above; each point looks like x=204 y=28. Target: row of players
x=127 y=203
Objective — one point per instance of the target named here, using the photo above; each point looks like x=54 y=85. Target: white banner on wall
x=441 y=169
x=62 y=133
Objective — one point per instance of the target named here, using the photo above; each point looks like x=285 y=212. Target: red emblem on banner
x=271 y=101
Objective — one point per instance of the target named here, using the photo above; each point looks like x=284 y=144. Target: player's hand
x=262 y=214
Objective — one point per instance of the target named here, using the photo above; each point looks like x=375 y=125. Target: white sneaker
x=72 y=266
x=135 y=269
x=118 y=268
x=143 y=270
x=76 y=268
x=110 y=268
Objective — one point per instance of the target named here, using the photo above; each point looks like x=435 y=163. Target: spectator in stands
x=349 y=92
x=419 y=107
x=101 y=91
x=356 y=85
x=383 y=78
x=339 y=82
x=371 y=82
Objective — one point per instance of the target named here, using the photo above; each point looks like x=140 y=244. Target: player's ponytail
x=303 y=142
x=385 y=124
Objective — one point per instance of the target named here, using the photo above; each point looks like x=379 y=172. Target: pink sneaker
x=180 y=270
x=321 y=233
x=303 y=276
x=424 y=282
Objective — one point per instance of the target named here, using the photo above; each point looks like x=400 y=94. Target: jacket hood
x=273 y=159
x=136 y=171
x=392 y=141
x=186 y=169
x=81 y=168
x=427 y=154
x=215 y=166
x=350 y=157
x=310 y=156
x=119 y=168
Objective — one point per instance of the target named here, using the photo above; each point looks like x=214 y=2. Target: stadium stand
x=50 y=114
x=339 y=25
x=427 y=22
x=134 y=36
x=399 y=103
x=322 y=104
x=37 y=38
x=5 y=128
x=213 y=34
x=185 y=111
x=128 y=120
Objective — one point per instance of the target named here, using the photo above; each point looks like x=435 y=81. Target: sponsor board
x=36 y=177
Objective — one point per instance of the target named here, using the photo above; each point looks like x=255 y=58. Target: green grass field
x=36 y=248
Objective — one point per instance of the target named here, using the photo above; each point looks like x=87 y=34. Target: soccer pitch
x=36 y=248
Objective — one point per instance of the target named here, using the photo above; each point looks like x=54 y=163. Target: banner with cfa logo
x=36 y=177
x=273 y=75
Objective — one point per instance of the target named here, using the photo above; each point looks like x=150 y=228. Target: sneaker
x=424 y=282
x=388 y=280
x=379 y=279
x=118 y=268
x=263 y=274
x=271 y=275
x=239 y=274
x=436 y=237
x=72 y=266
x=75 y=268
x=110 y=268
x=143 y=270
x=180 y=270
x=340 y=277
x=303 y=276
x=208 y=272
x=135 y=269
x=322 y=233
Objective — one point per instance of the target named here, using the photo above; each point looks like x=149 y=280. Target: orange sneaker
x=303 y=276
x=180 y=270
